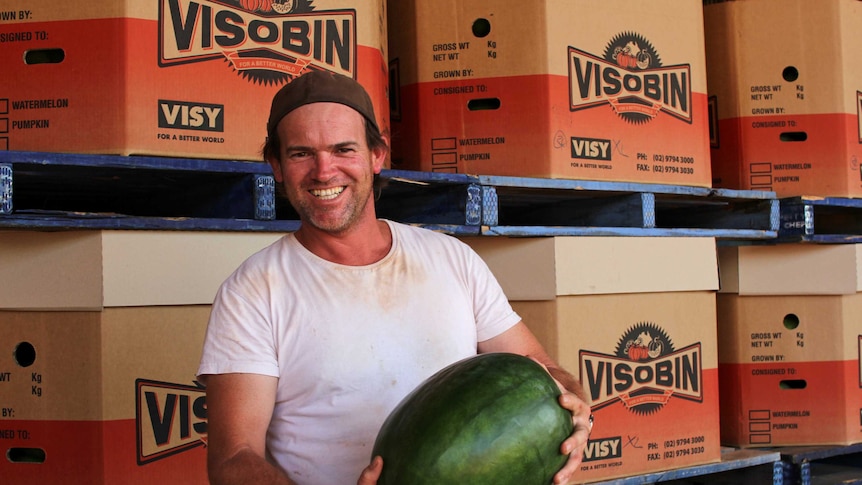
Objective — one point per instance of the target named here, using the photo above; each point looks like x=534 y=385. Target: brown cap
x=320 y=87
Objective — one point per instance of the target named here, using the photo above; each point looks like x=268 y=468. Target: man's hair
x=320 y=87
x=373 y=138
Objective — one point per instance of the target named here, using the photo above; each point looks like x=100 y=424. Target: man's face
x=326 y=166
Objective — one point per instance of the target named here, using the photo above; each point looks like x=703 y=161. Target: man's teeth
x=327 y=193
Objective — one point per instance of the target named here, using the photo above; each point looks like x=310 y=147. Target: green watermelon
x=491 y=419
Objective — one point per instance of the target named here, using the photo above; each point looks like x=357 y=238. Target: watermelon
x=490 y=419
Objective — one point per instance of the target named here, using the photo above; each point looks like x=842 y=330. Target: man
x=316 y=338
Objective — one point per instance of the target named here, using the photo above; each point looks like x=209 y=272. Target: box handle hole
x=793 y=384
x=793 y=136
x=483 y=104
x=26 y=455
x=791 y=321
x=44 y=56
x=25 y=354
x=481 y=27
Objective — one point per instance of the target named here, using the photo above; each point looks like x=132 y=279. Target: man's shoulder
x=416 y=239
x=423 y=234
x=263 y=257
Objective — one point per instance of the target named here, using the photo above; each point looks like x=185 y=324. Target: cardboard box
x=786 y=95
x=789 y=369
x=539 y=90
x=645 y=353
x=97 y=378
x=91 y=270
x=542 y=268
x=791 y=269
x=172 y=78
x=790 y=339
x=105 y=397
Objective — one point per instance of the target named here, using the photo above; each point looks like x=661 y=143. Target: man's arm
x=520 y=340
x=239 y=409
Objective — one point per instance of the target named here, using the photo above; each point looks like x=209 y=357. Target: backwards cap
x=320 y=87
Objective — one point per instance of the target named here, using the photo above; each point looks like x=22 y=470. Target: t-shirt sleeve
x=494 y=315
x=239 y=336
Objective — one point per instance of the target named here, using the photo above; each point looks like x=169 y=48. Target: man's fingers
x=372 y=472
x=575 y=450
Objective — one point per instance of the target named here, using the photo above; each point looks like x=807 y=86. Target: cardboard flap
x=544 y=268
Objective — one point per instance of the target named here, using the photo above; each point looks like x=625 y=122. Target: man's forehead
x=322 y=124
x=333 y=112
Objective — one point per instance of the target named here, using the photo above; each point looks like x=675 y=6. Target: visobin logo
x=644 y=372
x=170 y=419
x=265 y=41
x=630 y=78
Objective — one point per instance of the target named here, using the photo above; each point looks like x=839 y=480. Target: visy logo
x=591 y=148
x=603 y=449
x=171 y=418
x=191 y=116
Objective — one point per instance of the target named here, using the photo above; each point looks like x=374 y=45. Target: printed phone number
x=672 y=168
x=683 y=447
x=672 y=159
x=684 y=441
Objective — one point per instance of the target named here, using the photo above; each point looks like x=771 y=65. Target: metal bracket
x=264 y=197
x=5 y=188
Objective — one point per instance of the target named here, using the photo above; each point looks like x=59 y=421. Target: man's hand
x=520 y=340
x=371 y=473
x=574 y=445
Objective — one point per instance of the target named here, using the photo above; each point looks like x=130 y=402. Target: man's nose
x=325 y=164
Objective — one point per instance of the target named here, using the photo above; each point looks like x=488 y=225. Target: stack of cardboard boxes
x=790 y=340
x=174 y=78
x=573 y=89
x=102 y=332
x=608 y=91
x=634 y=319
x=103 y=328
x=587 y=90
x=785 y=86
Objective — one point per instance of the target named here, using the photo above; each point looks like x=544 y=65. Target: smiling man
x=315 y=339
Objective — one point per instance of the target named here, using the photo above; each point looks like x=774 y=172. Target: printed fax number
x=694 y=450
x=672 y=169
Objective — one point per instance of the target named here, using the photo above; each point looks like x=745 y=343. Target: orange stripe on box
x=94 y=453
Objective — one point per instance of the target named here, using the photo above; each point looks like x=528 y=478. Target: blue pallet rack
x=734 y=462
x=820 y=219
x=67 y=191
x=56 y=191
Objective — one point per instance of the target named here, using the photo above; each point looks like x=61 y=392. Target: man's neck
x=359 y=246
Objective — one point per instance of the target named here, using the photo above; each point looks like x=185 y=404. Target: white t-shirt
x=348 y=343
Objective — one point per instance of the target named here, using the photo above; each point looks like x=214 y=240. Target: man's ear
x=276 y=168
x=380 y=154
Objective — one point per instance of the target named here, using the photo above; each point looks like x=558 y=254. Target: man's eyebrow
x=334 y=146
x=345 y=144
